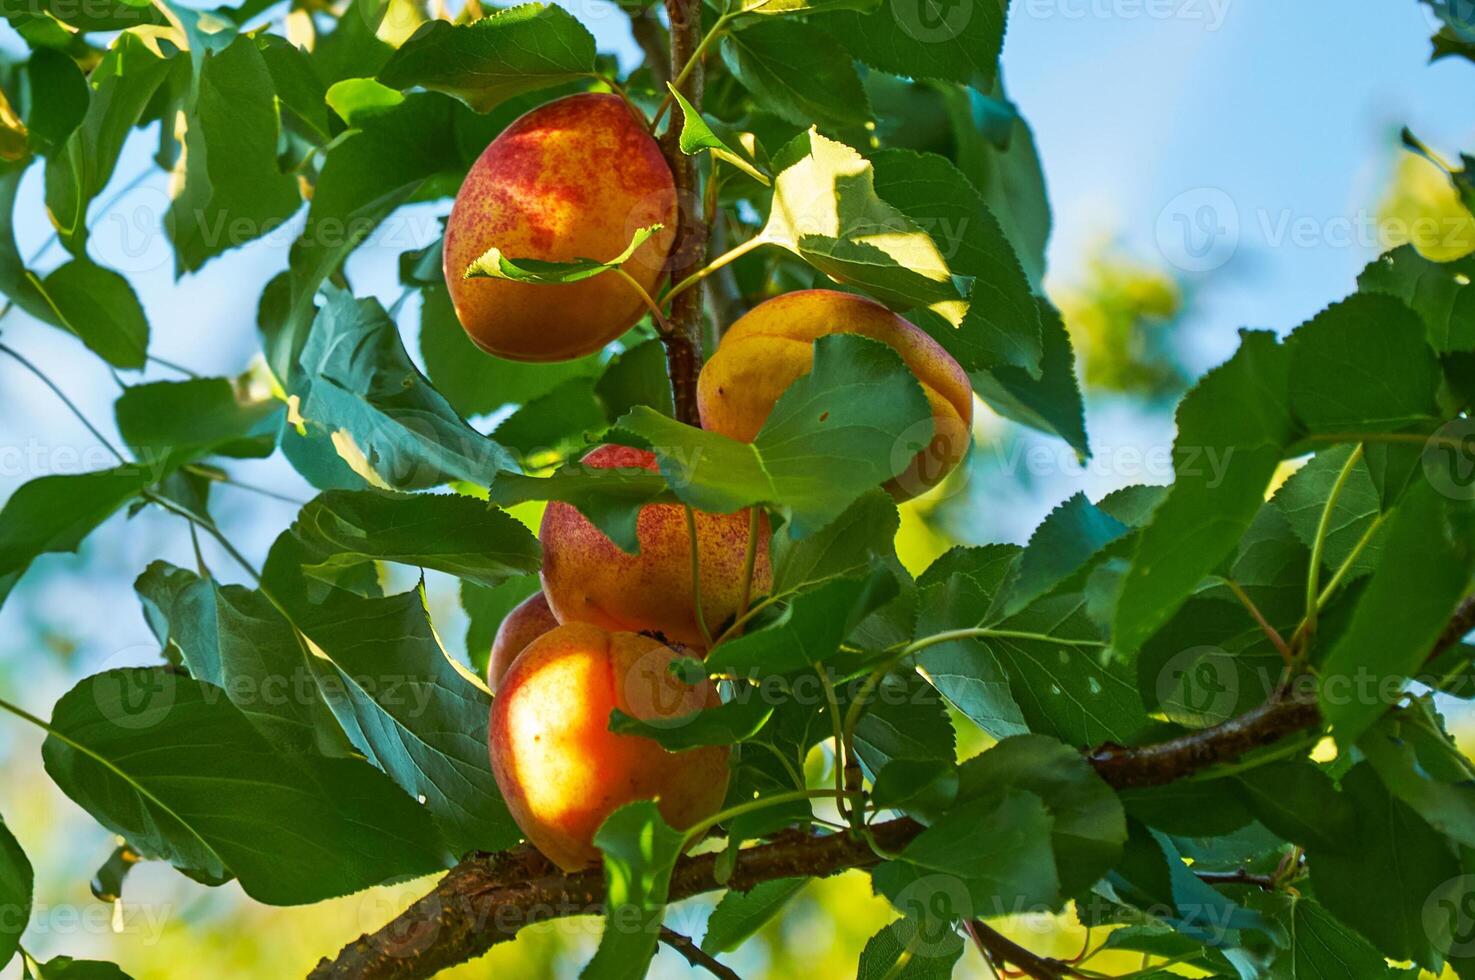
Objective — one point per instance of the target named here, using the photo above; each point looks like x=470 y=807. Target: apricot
x=588 y=579
x=571 y=179
x=772 y=346
x=562 y=771
x=527 y=621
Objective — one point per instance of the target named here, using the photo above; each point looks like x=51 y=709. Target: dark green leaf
x=59 y=97
x=16 y=884
x=1223 y=463
x=902 y=951
x=1052 y=403
x=1064 y=541
x=1425 y=570
x=66 y=968
x=1422 y=766
x=927 y=39
x=1299 y=802
x=740 y=914
x=1322 y=948
x=196 y=418
x=1002 y=325
x=795 y=71
x=357 y=384
x=489 y=60
x=174 y=767
x=1362 y=365
x=699 y=133
x=100 y=307
x=845 y=547
x=905 y=720
x=1438 y=291
x=611 y=499
x=735 y=721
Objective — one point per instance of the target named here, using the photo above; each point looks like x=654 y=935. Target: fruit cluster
x=570 y=180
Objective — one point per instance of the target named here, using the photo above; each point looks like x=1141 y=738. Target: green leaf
x=846 y=547
x=636 y=376
x=54 y=513
x=779 y=8
x=827 y=212
x=59 y=98
x=404 y=702
x=494 y=265
x=740 y=914
x=1438 y=291
x=233 y=190
x=610 y=499
x=123 y=83
x=1303 y=498
x=984 y=859
x=357 y=384
x=699 y=133
x=296 y=82
x=196 y=418
x=1299 y=802
x=808 y=632
x=836 y=433
x=235 y=639
x=795 y=71
x=1223 y=463
x=19 y=284
x=640 y=851
x=485 y=609
x=736 y=721
x=927 y=39
x=1192 y=809
x=367 y=173
x=1362 y=365
x=16 y=884
x=1052 y=403
x=66 y=968
x=1067 y=538
x=1089 y=828
x=1322 y=948
x=923 y=790
x=962 y=589
x=474 y=382
x=1381 y=884
x=1422 y=766
x=359 y=101
x=489 y=60
x=901 y=951
x=170 y=764
x=462 y=536
x=1424 y=572
x=1002 y=325
x=905 y=721
x=100 y=307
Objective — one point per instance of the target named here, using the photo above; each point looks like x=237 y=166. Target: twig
x=696 y=956
x=1000 y=949
x=1237 y=877
x=71 y=405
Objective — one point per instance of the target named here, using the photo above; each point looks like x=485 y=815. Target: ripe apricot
x=562 y=771
x=571 y=179
x=527 y=621
x=588 y=579
x=772 y=346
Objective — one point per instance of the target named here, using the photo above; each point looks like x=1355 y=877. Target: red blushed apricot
x=573 y=179
x=772 y=346
x=529 y=620
x=562 y=771
x=588 y=579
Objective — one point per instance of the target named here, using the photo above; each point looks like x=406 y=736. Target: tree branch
x=1000 y=950
x=488 y=899
x=689 y=252
x=697 y=956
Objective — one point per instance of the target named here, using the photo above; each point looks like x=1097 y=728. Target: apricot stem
x=731 y=255
x=749 y=560
x=696 y=575
x=697 y=831
x=1318 y=546
x=662 y=323
x=841 y=748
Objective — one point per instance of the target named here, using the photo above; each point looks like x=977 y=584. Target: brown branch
x=697 y=956
x=488 y=899
x=1265 y=883
x=689 y=252
x=1000 y=950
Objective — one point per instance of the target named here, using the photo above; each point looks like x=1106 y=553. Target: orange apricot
x=562 y=771
x=772 y=346
x=588 y=579
x=527 y=621
x=569 y=180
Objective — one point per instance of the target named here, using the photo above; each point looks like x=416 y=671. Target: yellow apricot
x=528 y=620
